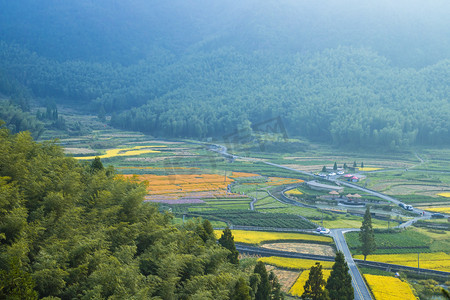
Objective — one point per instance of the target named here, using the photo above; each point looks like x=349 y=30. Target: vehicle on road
x=437 y=216
x=324 y=231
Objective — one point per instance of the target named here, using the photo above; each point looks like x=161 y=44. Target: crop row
x=253 y=218
x=406 y=239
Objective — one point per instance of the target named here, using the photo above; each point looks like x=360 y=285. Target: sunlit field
x=297 y=288
x=134 y=151
x=256 y=237
x=294 y=263
x=435 y=261
x=389 y=288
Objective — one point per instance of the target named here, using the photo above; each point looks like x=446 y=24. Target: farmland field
x=297 y=288
x=253 y=218
x=303 y=247
x=294 y=263
x=407 y=241
x=257 y=237
x=439 y=261
x=389 y=288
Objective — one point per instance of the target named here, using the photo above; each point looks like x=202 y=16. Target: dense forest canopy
x=77 y=231
x=346 y=72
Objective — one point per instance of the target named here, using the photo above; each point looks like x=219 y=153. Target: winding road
x=359 y=286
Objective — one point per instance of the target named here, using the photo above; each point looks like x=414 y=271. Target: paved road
x=359 y=286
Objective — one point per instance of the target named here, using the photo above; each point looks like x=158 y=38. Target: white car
x=324 y=231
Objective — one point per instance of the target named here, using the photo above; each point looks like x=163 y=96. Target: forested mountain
x=76 y=231
x=346 y=72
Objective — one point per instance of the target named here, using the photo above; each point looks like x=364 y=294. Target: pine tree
x=227 y=241
x=362 y=165
x=345 y=166
x=366 y=235
x=264 y=289
x=335 y=166
x=314 y=286
x=339 y=284
x=324 y=169
x=354 y=164
x=275 y=285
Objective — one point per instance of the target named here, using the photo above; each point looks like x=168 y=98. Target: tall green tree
x=241 y=290
x=366 y=235
x=275 y=286
x=362 y=165
x=335 y=166
x=345 y=166
x=339 y=284
x=226 y=240
x=324 y=169
x=264 y=289
x=315 y=285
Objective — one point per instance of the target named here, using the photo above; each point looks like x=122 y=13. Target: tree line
x=343 y=96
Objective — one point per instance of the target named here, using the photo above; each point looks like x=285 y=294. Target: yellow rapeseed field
x=294 y=263
x=389 y=288
x=138 y=150
x=435 y=261
x=442 y=209
x=446 y=194
x=256 y=237
x=367 y=169
x=297 y=288
x=293 y=192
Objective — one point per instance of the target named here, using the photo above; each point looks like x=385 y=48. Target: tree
x=339 y=284
x=314 y=286
x=362 y=165
x=227 y=241
x=96 y=164
x=324 y=169
x=366 y=235
x=345 y=166
x=275 y=293
x=335 y=166
x=263 y=291
x=241 y=290
x=354 y=164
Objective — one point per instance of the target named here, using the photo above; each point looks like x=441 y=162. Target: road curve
x=359 y=286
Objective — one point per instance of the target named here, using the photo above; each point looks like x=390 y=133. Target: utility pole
x=418 y=260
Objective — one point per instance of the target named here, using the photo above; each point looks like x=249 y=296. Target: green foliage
x=69 y=232
x=366 y=235
x=339 y=284
x=263 y=290
x=226 y=240
x=315 y=285
x=241 y=290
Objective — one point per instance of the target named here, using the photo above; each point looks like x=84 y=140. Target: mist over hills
x=347 y=72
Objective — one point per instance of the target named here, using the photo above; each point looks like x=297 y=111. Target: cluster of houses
x=341 y=174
